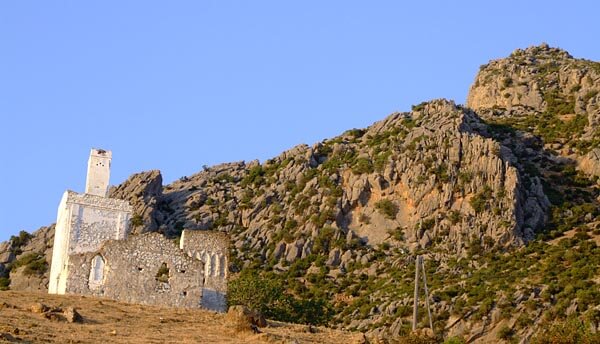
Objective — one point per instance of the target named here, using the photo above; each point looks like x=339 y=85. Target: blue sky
x=180 y=84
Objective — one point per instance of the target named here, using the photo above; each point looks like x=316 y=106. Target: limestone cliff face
x=427 y=178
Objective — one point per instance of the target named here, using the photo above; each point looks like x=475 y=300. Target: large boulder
x=242 y=319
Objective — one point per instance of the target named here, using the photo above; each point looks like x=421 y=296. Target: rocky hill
x=500 y=196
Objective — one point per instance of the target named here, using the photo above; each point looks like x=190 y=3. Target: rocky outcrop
x=430 y=177
x=17 y=263
x=537 y=79
x=143 y=191
x=590 y=163
x=545 y=91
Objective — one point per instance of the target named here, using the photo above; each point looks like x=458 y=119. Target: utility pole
x=416 y=297
x=420 y=268
x=426 y=295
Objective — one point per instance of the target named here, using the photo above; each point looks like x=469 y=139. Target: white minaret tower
x=98 y=172
x=85 y=221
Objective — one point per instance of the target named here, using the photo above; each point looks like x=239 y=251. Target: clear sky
x=174 y=85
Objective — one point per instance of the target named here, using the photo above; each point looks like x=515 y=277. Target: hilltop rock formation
x=538 y=79
x=554 y=94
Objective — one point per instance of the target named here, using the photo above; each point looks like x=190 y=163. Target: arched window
x=97 y=272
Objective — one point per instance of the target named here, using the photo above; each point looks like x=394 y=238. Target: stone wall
x=83 y=223
x=94 y=220
x=128 y=270
x=212 y=248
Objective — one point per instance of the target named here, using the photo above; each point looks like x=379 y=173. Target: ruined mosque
x=94 y=255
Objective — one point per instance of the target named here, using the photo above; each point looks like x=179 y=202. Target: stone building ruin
x=94 y=255
x=212 y=249
x=145 y=268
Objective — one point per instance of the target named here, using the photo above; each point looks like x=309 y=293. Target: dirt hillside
x=23 y=319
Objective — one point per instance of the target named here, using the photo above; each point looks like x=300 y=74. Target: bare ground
x=107 y=321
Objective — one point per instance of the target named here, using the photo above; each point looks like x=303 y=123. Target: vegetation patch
x=34 y=263
x=387 y=208
x=267 y=295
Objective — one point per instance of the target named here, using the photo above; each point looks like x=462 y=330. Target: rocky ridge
x=342 y=219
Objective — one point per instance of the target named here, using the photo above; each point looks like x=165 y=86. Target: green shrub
x=254 y=177
x=397 y=233
x=523 y=320
x=34 y=263
x=414 y=338
x=419 y=107
x=4 y=283
x=479 y=201
x=264 y=295
x=465 y=177
x=441 y=172
x=427 y=224
x=410 y=123
x=137 y=220
x=355 y=133
x=454 y=340
x=571 y=331
x=507 y=82
x=362 y=165
x=311 y=311
x=381 y=160
x=505 y=333
x=387 y=208
x=589 y=95
x=19 y=241
x=454 y=216
x=267 y=295
x=324 y=240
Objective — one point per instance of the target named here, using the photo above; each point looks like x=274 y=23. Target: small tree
x=264 y=295
x=267 y=295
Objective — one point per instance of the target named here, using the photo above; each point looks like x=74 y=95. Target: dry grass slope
x=117 y=322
